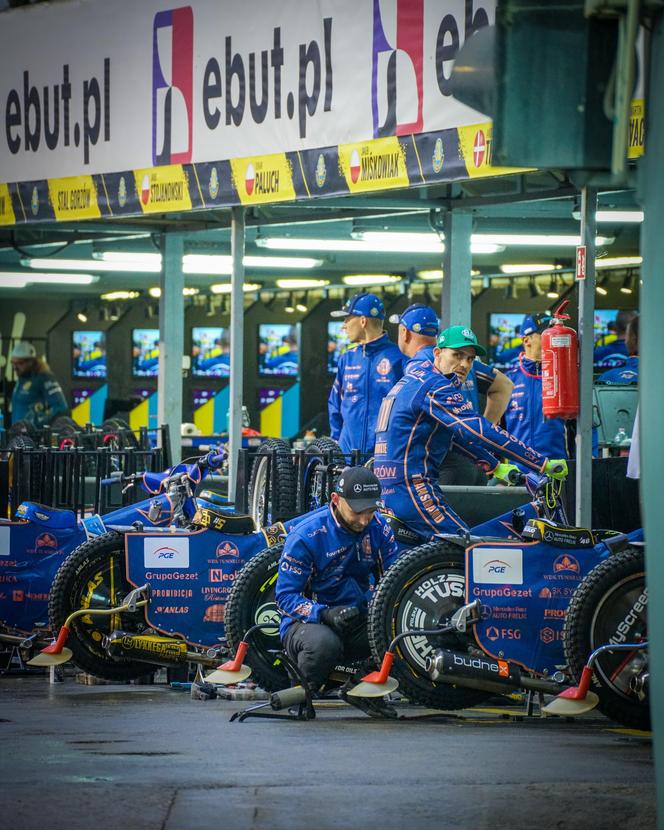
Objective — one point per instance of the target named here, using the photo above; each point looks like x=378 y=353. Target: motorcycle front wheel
x=92 y=576
x=421 y=590
x=609 y=606
x=252 y=600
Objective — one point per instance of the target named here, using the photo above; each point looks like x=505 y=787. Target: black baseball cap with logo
x=360 y=487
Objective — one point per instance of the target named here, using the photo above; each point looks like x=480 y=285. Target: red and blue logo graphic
x=172 y=86
x=397 y=68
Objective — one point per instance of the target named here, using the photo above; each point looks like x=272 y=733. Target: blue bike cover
x=525 y=588
x=191 y=575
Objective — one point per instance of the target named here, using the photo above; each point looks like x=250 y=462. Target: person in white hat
x=37 y=396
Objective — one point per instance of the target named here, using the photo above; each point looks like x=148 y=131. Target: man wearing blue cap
x=524 y=417
x=421 y=417
x=365 y=374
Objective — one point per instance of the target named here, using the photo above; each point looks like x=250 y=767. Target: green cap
x=456 y=337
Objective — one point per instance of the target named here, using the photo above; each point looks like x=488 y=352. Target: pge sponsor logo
x=501 y=566
x=172 y=86
x=494 y=633
x=160 y=554
x=566 y=562
x=226 y=549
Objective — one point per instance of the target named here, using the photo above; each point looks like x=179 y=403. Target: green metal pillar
x=171 y=339
x=237 y=346
x=457 y=264
x=651 y=390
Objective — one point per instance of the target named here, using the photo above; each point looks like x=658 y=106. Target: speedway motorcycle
x=35 y=545
x=524 y=601
x=154 y=594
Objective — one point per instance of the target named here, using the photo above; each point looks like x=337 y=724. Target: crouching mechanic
x=325 y=572
x=423 y=415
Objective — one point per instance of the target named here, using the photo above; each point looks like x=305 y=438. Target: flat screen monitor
x=610 y=352
x=504 y=339
x=88 y=354
x=337 y=343
x=210 y=352
x=145 y=353
x=278 y=349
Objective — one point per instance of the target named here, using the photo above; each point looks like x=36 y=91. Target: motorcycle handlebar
x=115 y=477
x=212 y=460
x=516 y=478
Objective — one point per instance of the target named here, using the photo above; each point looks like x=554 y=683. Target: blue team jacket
x=423 y=414
x=325 y=565
x=523 y=416
x=38 y=399
x=365 y=375
x=629 y=373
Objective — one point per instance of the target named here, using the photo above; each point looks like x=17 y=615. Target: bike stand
x=299 y=695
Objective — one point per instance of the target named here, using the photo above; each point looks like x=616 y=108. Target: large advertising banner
x=121 y=108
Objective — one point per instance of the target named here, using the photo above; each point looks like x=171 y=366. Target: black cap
x=360 y=487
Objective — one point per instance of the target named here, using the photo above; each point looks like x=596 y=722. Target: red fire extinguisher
x=560 y=369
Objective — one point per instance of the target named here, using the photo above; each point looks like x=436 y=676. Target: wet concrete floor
x=149 y=757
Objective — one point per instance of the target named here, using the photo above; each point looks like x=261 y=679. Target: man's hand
x=508 y=473
x=556 y=468
x=340 y=619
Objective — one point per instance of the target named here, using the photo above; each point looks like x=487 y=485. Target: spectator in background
x=37 y=396
x=614 y=355
x=418 y=329
x=523 y=418
x=367 y=371
x=629 y=373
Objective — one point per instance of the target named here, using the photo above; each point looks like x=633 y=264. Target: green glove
x=556 y=468
x=509 y=473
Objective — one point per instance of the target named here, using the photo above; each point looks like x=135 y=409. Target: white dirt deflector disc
x=224 y=677
x=569 y=708
x=42 y=659
x=364 y=689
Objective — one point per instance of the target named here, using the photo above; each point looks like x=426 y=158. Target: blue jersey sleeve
x=334 y=402
x=388 y=549
x=296 y=567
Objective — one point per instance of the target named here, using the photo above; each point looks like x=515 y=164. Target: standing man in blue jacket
x=366 y=373
x=37 y=396
x=422 y=416
x=418 y=330
x=524 y=418
x=325 y=572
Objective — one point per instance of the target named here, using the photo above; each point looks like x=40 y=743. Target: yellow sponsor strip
x=637 y=129
x=271 y=419
x=139 y=415
x=475 y=145
x=379 y=164
x=163 y=189
x=74 y=198
x=204 y=417
x=262 y=179
x=6 y=210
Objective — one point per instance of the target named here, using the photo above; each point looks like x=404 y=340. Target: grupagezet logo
x=74 y=110
x=165 y=553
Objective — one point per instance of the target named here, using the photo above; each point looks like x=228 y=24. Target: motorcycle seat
x=55 y=518
x=209 y=514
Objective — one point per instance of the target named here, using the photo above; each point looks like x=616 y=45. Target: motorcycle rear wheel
x=252 y=600
x=423 y=587
x=610 y=594
x=92 y=576
x=279 y=503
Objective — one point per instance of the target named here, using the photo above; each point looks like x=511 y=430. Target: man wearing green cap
x=422 y=416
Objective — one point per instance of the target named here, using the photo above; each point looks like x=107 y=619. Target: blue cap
x=362 y=305
x=535 y=324
x=418 y=318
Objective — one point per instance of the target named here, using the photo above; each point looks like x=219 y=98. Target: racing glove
x=556 y=468
x=340 y=619
x=508 y=473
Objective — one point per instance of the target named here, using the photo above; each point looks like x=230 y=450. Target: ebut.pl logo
x=397 y=68
x=172 y=86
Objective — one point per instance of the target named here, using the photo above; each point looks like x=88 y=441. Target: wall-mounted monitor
x=145 y=353
x=278 y=349
x=210 y=352
x=88 y=354
x=504 y=339
x=610 y=351
x=337 y=343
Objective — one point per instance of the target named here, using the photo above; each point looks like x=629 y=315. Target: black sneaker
x=375 y=707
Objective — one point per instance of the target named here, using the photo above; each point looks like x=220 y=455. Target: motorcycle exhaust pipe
x=482 y=672
x=152 y=648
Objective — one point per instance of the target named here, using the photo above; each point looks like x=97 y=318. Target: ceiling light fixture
x=187 y=291
x=19 y=279
x=628 y=284
x=532 y=288
x=540 y=240
x=600 y=286
x=91 y=264
x=360 y=280
x=289 y=308
x=82 y=316
x=622 y=217
x=114 y=296
x=225 y=287
x=552 y=291
x=375 y=242
x=296 y=282
x=526 y=267
x=618 y=261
